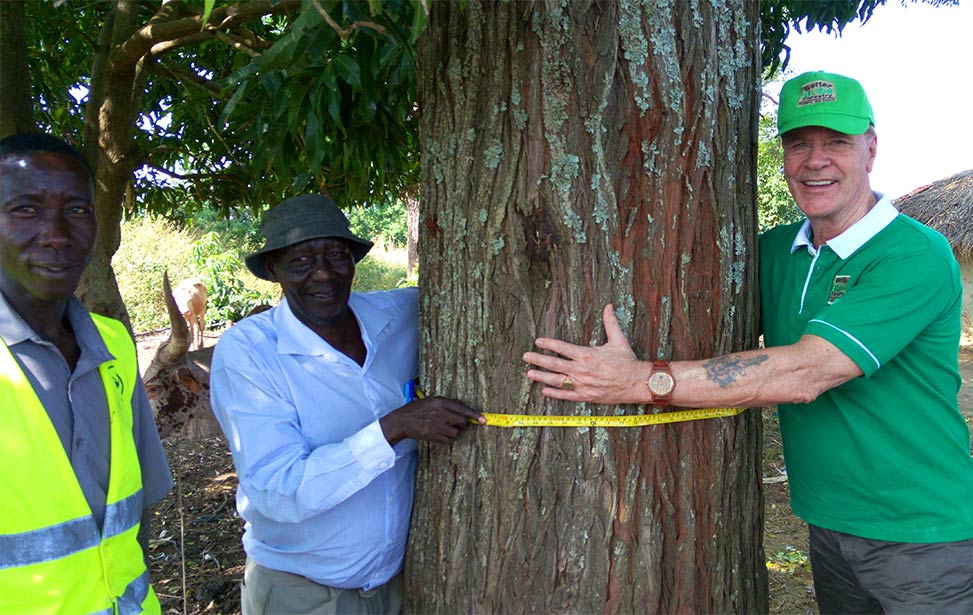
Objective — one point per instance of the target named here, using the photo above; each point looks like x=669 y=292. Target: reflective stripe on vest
x=52 y=557
x=57 y=541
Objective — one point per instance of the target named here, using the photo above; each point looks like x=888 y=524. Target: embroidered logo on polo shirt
x=816 y=92
x=838 y=288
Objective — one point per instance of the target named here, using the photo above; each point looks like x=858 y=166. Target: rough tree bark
x=576 y=153
x=110 y=147
x=16 y=114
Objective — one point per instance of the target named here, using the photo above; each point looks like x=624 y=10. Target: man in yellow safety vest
x=80 y=457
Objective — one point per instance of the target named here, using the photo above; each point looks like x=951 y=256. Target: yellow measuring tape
x=626 y=420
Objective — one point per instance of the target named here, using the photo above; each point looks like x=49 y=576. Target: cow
x=177 y=380
x=190 y=296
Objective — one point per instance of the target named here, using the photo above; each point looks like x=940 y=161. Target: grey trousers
x=858 y=575
x=271 y=592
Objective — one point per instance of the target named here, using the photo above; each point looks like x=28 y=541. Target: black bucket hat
x=299 y=218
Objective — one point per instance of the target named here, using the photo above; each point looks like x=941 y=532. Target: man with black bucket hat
x=860 y=310
x=313 y=396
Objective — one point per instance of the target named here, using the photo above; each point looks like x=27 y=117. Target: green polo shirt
x=887 y=455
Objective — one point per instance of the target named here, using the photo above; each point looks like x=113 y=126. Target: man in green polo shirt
x=861 y=318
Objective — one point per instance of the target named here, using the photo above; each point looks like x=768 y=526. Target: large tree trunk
x=16 y=112
x=110 y=115
x=576 y=153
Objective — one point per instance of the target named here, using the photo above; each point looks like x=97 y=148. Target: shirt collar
x=855 y=236
x=294 y=337
x=13 y=330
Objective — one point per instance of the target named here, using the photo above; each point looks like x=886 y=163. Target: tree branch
x=189 y=176
x=344 y=33
x=192 y=39
x=237 y=43
x=159 y=30
x=179 y=74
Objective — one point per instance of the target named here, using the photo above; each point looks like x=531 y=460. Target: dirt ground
x=196 y=558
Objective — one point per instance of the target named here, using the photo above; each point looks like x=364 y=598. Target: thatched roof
x=947 y=206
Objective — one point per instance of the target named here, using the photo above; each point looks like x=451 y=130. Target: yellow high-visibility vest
x=53 y=559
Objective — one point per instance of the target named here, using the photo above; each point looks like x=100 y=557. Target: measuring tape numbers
x=627 y=420
x=494 y=419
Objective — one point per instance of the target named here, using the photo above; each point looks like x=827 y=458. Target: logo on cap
x=816 y=92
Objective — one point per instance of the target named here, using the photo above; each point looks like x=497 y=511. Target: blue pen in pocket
x=409 y=391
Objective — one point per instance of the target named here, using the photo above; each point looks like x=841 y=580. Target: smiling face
x=827 y=173
x=47 y=227
x=315 y=277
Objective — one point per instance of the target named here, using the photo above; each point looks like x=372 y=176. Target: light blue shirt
x=322 y=492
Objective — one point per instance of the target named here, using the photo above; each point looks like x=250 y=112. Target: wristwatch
x=660 y=383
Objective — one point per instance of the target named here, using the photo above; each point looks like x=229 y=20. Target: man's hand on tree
x=606 y=374
x=433 y=419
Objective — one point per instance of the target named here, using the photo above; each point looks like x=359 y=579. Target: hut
x=947 y=206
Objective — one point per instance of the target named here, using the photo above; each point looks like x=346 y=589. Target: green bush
x=149 y=247
x=385 y=222
x=213 y=250
x=383 y=268
x=232 y=291
x=775 y=205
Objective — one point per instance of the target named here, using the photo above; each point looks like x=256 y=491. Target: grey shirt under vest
x=78 y=407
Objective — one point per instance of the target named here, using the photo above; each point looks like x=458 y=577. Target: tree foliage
x=264 y=100
x=345 y=100
x=774 y=202
x=273 y=97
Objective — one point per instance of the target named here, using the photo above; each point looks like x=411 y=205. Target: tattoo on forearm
x=725 y=370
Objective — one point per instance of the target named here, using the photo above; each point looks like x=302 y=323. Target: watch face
x=661 y=383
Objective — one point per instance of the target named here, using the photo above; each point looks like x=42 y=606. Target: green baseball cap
x=824 y=99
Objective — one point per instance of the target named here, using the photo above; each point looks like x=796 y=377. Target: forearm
x=611 y=373
x=798 y=373
x=738 y=379
x=289 y=483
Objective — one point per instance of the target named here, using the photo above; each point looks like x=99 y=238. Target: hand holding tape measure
x=606 y=374
x=411 y=392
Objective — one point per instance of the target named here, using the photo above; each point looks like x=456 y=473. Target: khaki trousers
x=271 y=592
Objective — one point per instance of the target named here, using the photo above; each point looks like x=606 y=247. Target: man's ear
x=270 y=264
x=872 y=151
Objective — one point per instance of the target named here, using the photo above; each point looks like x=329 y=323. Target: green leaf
x=207 y=10
x=232 y=103
x=281 y=53
x=242 y=74
x=301 y=180
x=347 y=68
x=295 y=102
x=420 y=19
x=313 y=139
x=325 y=92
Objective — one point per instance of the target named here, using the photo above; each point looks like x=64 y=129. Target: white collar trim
x=855 y=236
